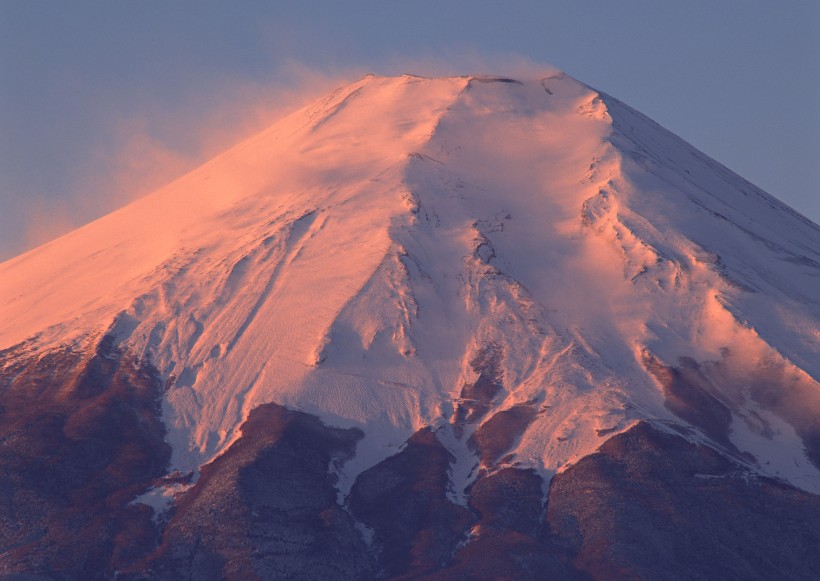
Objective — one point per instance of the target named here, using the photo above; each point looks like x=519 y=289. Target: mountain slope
x=507 y=274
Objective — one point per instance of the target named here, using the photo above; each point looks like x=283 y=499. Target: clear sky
x=104 y=101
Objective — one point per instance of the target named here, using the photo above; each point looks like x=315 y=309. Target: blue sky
x=104 y=101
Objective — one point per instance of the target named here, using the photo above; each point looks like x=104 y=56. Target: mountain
x=461 y=328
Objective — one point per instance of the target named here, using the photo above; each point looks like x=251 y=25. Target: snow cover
x=352 y=260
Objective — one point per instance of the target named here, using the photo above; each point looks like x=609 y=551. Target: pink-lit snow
x=352 y=259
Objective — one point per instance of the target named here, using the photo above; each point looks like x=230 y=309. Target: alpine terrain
x=459 y=328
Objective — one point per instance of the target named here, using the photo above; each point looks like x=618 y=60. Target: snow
x=161 y=498
x=351 y=260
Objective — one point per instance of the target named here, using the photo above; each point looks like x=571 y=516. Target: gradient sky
x=105 y=101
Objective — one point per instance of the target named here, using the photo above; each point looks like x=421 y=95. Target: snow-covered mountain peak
x=527 y=266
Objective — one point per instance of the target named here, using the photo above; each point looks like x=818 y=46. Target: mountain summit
x=468 y=327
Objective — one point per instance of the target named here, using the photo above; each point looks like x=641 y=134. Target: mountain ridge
x=444 y=239
x=470 y=327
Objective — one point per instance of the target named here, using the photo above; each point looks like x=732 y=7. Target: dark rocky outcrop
x=404 y=500
x=511 y=539
x=476 y=398
x=80 y=438
x=266 y=509
x=501 y=432
x=690 y=396
x=650 y=505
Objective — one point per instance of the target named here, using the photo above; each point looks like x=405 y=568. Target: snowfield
x=372 y=254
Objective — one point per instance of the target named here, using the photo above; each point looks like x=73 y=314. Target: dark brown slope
x=651 y=505
x=266 y=509
x=80 y=438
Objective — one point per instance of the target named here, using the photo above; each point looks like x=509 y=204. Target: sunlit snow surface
x=352 y=260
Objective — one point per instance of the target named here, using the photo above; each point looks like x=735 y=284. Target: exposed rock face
x=404 y=500
x=476 y=398
x=80 y=438
x=652 y=505
x=499 y=433
x=688 y=396
x=511 y=539
x=266 y=509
